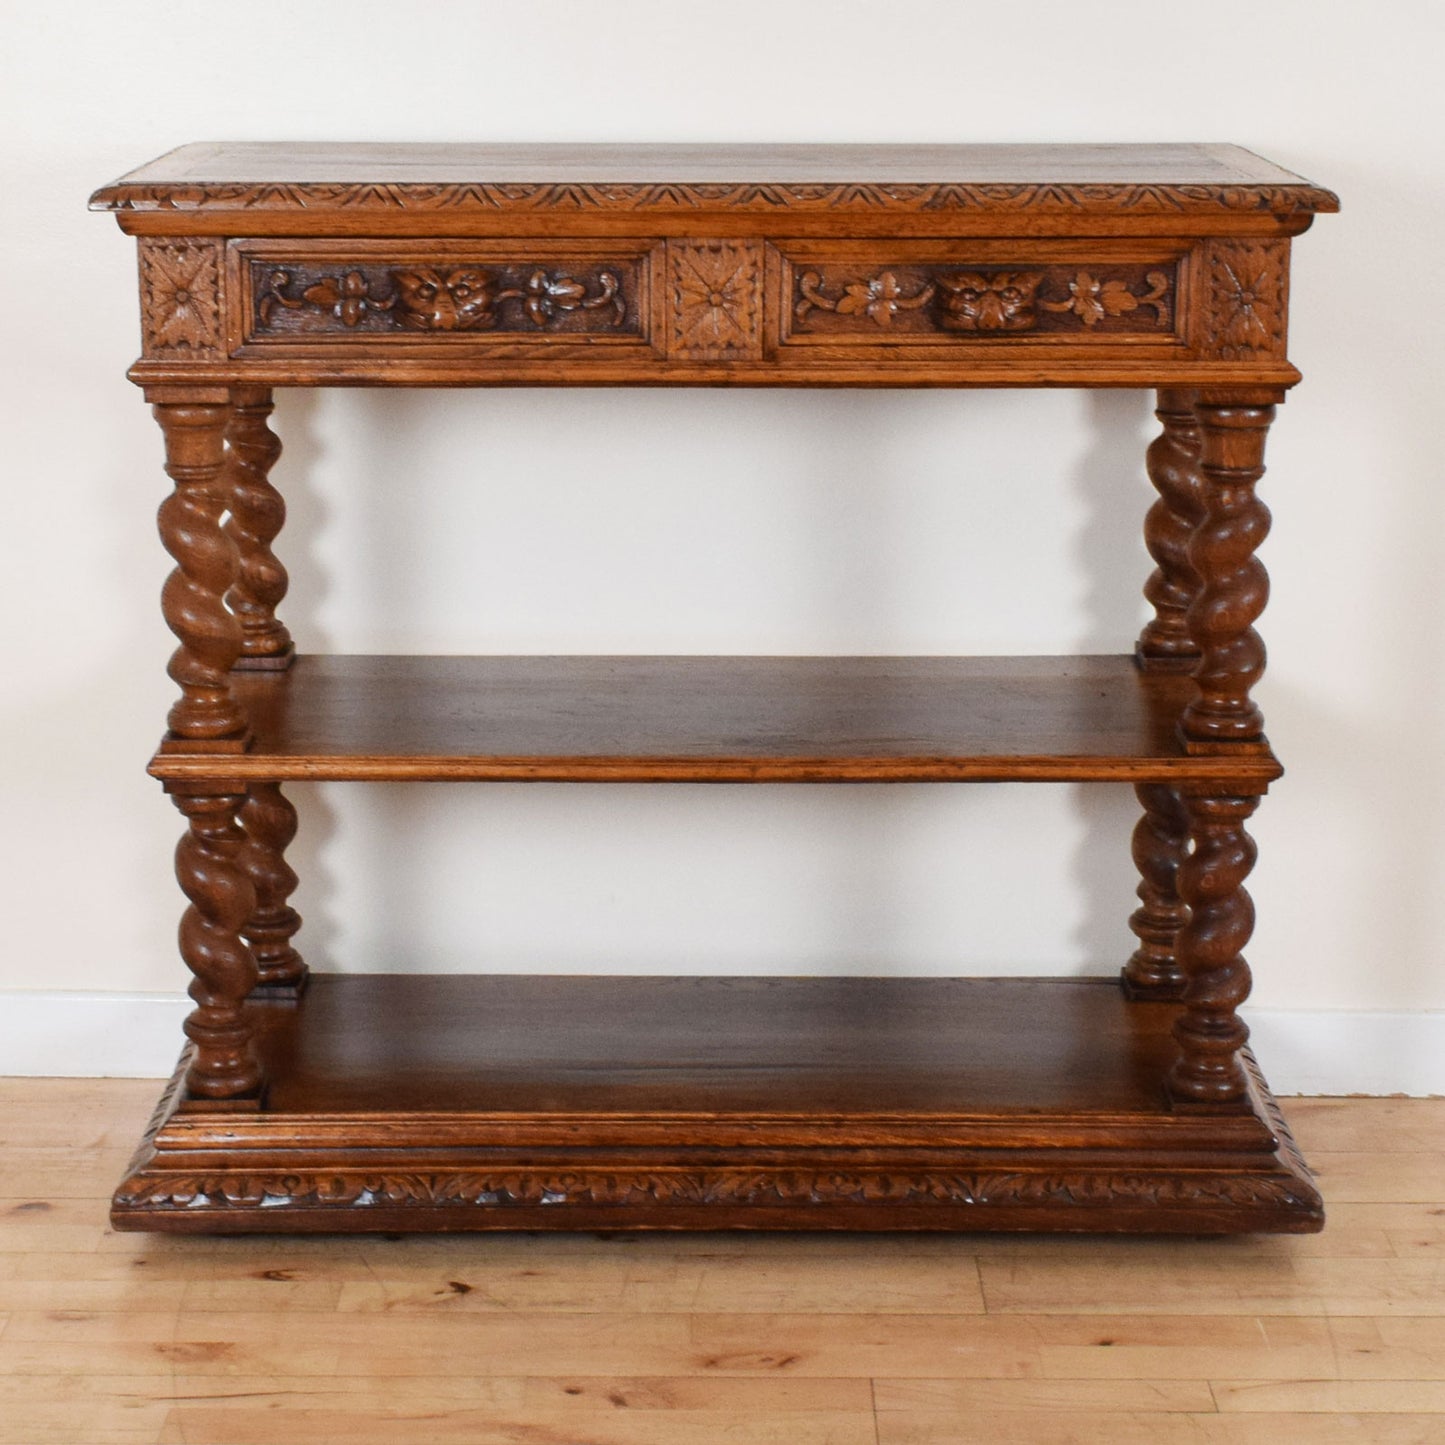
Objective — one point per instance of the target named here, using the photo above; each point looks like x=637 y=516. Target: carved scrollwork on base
x=680 y=1188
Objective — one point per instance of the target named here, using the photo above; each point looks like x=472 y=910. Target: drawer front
x=862 y=297
x=483 y=296
x=690 y=309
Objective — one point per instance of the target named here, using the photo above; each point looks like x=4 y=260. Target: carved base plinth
x=435 y=1104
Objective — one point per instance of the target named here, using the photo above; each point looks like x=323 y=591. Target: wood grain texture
x=107 y=1336
x=733 y=719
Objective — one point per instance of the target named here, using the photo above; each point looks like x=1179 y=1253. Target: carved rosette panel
x=180 y=288
x=1248 y=294
x=714 y=295
x=875 y=301
x=313 y=297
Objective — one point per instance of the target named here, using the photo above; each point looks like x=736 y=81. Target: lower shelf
x=498 y=1102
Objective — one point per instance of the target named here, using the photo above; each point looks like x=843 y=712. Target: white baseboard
x=1303 y=1051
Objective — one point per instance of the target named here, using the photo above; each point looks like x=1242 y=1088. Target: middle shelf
x=714 y=719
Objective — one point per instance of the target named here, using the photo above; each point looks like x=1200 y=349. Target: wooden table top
x=300 y=173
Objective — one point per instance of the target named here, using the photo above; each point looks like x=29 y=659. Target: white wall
x=750 y=522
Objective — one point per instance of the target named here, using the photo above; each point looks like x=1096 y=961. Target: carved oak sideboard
x=423 y=1102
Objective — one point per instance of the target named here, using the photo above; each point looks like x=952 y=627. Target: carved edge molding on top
x=1247 y=296
x=714 y=298
x=180 y=287
x=1279 y=200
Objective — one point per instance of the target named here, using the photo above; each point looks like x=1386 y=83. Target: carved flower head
x=714 y=293
x=181 y=296
x=989 y=300
x=1248 y=296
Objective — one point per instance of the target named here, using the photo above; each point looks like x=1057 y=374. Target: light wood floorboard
x=109 y=1339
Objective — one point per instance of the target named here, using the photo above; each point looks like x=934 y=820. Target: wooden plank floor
x=690 y=1340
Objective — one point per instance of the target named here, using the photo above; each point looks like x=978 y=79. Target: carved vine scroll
x=986 y=300
x=301 y=298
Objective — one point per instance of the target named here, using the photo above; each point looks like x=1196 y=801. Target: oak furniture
x=396 y=1103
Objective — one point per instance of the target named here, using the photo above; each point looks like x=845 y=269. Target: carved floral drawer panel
x=487 y=293
x=901 y=294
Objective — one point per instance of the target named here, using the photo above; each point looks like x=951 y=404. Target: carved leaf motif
x=180 y=288
x=1092 y=299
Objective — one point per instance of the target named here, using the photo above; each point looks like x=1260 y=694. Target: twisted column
x=206 y=562
x=1209 y=1031
x=269 y=823
x=1233 y=586
x=1165 y=644
x=258 y=513
x=222 y=898
x=1161 y=842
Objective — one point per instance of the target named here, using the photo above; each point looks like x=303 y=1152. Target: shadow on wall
x=850 y=543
